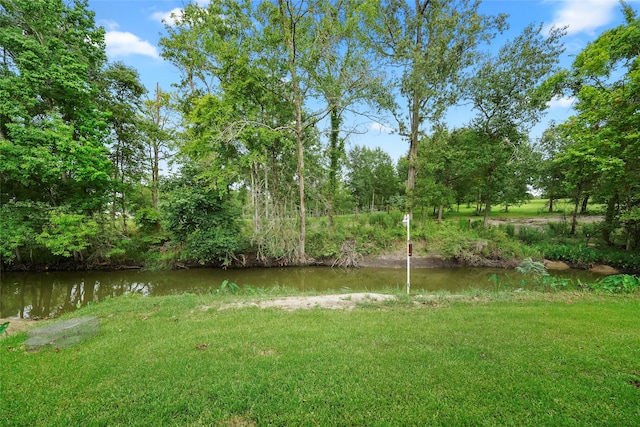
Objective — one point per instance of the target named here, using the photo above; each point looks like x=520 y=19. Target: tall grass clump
x=530 y=235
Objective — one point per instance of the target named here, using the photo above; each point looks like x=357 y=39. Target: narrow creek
x=50 y=294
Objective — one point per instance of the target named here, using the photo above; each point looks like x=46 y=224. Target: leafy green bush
x=590 y=231
x=207 y=224
x=576 y=253
x=148 y=219
x=320 y=244
x=580 y=253
x=557 y=229
x=227 y=287
x=509 y=229
x=464 y=223
x=530 y=235
x=617 y=283
x=477 y=224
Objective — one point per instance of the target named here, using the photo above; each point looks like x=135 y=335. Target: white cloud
x=169 y=17
x=561 y=102
x=124 y=44
x=108 y=24
x=585 y=16
x=381 y=128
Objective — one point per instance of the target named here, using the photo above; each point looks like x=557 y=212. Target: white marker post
x=406 y=221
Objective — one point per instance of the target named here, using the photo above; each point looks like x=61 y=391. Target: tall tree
x=605 y=80
x=160 y=115
x=508 y=95
x=307 y=38
x=345 y=77
x=446 y=168
x=371 y=177
x=550 y=177
x=430 y=44
x=121 y=97
x=237 y=110
x=51 y=129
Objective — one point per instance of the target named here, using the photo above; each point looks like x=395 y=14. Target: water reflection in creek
x=41 y=295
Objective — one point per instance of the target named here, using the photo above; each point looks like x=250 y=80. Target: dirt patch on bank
x=336 y=302
x=16 y=325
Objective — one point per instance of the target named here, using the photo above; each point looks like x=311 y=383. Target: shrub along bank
x=460 y=239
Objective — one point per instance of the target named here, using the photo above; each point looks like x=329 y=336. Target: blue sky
x=133 y=28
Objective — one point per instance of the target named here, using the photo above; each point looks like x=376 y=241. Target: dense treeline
x=259 y=122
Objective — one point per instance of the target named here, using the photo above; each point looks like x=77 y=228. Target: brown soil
x=340 y=301
x=17 y=325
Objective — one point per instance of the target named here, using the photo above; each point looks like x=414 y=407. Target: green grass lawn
x=520 y=359
x=534 y=208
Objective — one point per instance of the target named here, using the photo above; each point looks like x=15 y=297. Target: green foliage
x=600 y=152
x=557 y=229
x=385 y=220
x=51 y=129
x=3 y=327
x=200 y=219
x=227 y=287
x=505 y=162
x=371 y=177
x=20 y=223
x=579 y=253
x=552 y=283
x=321 y=244
x=498 y=284
x=148 y=219
x=509 y=229
x=68 y=234
x=617 y=283
x=531 y=267
x=530 y=235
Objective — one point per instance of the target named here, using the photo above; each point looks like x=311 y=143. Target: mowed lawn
x=522 y=359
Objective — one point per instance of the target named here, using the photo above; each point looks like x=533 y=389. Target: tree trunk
x=585 y=202
x=255 y=199
x=155 y=159
x=550 y=204
x=629 y=234
x=301 y=255
x=335 y=150
x=440 y=209
x=609 y=217
x=414 y=137
x=123 y=205
x=265 y=195
x=289 y=30
x=574 y=218
x=487 y=208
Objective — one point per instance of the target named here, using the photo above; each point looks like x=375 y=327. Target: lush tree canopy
x=260 y=120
